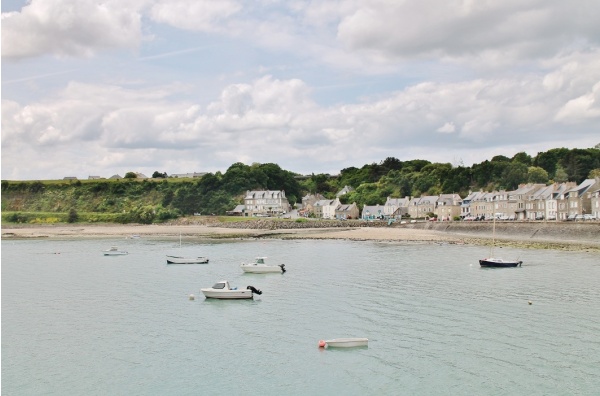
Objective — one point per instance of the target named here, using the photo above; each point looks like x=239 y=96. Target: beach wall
x=527 y=231
x=515 y=230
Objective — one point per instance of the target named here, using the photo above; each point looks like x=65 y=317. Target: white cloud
x=582 y=108
x=448 y=127
x=273 y=120
x=474 y=30
x=425 y=79
x=69 y=28
x=200 y=15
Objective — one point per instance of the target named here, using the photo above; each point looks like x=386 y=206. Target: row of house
x=528 y=202
x=138 y=175
x=537 y=201
x=191 y=175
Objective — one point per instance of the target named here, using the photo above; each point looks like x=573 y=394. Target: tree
x=523 y=158
x=535 y=174
x=500 y=158
x=514 y=174
x=594 y=173
x=158 y=175
x=130 y=175
x=549 y=160
x=560 y=175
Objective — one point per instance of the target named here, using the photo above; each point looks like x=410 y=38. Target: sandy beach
x=203 y=231
x=191 y=232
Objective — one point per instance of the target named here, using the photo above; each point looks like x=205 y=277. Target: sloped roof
x=584 y=186
x=325 y=202
x=345 y=208
x=373 y=209
x=264 y=194
x=344 y=190
x=397 y=201
x=544 y=193
x=428 y=199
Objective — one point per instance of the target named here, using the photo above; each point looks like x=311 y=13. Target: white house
x=265 y=203
x=325 y=208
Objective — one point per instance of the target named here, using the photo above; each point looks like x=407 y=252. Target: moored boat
x=345 y=343
x=222 y=290
x=186 y=260
x=114 y=251
x=259 y=266
x=492 y=261
x=498 y=262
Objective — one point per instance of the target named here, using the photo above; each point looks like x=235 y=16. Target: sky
x=98 y=88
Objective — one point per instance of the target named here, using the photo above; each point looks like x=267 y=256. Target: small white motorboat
x=222 y=290
x=259 y=266
x=114 y=251
x=344 y=343
x=186 y=260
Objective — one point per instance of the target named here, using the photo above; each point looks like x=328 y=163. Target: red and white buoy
x=321 y=344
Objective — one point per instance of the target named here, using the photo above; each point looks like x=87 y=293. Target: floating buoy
x=192 y=297
x=321 y=344
x=529 y=302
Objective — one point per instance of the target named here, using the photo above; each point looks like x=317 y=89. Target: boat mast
x=493 y=236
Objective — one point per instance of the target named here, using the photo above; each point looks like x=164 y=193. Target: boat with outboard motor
x=259 y=266
x=222 y=290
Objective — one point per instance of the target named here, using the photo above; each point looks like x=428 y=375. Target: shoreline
x=199 y=231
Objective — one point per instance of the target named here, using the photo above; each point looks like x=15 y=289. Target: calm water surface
x=75 y=322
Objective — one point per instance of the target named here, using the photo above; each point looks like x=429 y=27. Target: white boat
x=222 y=290
x=346 y=342
x=114 y=251
x=259 y=266
x=172 y=259
x=186 y=260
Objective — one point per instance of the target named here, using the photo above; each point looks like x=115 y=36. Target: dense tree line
x=160 y=198
x=375 y=182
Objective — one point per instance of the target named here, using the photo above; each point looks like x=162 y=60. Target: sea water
x=75 y=322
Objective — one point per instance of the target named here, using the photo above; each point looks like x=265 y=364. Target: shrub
x=72 y=216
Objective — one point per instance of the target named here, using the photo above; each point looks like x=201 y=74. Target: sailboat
x=492 y=261
x=186 y=260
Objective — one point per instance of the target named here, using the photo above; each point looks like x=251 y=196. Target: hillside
x=157 y=200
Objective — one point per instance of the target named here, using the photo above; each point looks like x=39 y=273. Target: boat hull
x=186 y=260
x=347 y=342
x=227 y=294
x=115 y=253
x=261 y=269
x=499 y=263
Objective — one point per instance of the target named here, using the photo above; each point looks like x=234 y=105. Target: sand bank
x=203 y=231
x=392 y=234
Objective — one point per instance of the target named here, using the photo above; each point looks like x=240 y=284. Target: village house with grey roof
x=559 y=201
